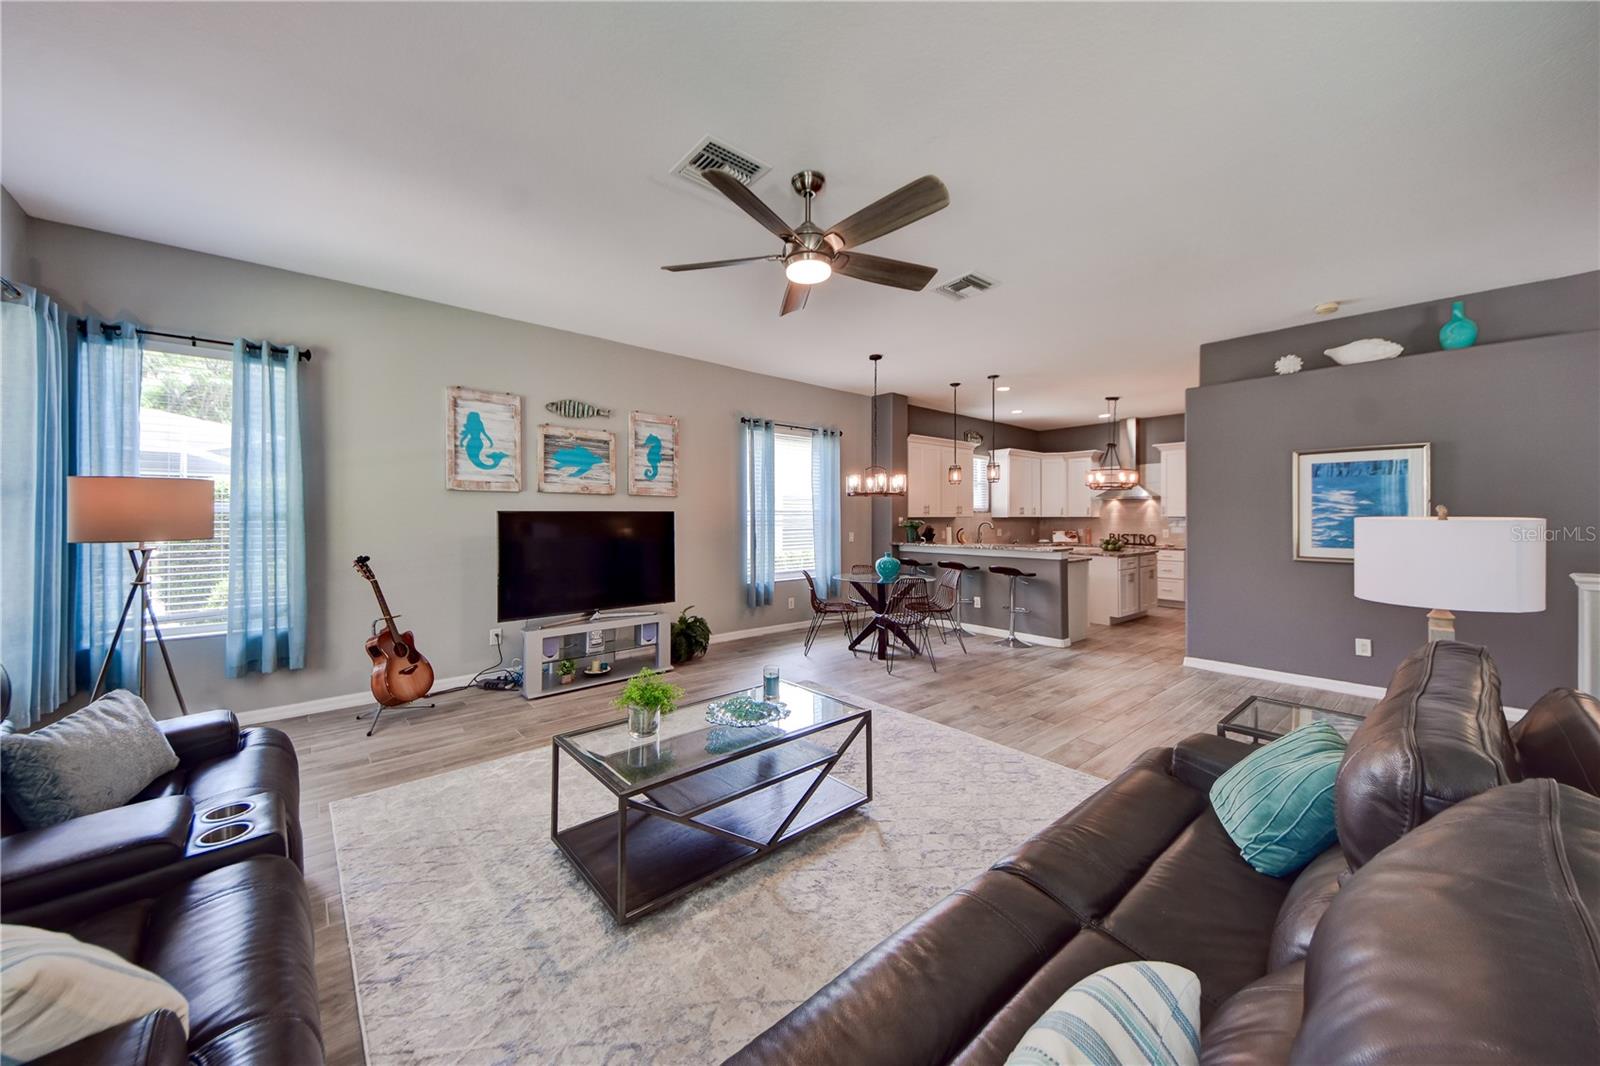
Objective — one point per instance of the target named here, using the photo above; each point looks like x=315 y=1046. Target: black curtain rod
x=789 y=425
x=109 y=329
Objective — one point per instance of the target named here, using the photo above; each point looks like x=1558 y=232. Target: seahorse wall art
x=652 y=455
x=572 y=459
x=483 y=446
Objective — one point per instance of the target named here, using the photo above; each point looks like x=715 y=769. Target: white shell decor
x=1369 y=350
x=1288 y=364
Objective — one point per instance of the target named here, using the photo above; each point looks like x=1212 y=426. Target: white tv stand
x=629 y=643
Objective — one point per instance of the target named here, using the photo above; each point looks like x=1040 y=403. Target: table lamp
x=138 y=510
x=1451 y=564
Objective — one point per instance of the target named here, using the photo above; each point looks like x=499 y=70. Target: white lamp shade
x=1452 y=564
x=126 y=510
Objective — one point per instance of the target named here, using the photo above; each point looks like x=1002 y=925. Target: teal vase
x=888 y=567
x=1460 y=331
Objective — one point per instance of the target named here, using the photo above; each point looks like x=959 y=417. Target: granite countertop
x=1130 y=550
x=992 y=546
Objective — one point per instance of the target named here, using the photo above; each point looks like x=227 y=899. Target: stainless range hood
x=1126 y=435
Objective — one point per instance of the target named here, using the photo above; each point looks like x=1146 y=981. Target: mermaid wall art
x=652 y=455
x=483 y=443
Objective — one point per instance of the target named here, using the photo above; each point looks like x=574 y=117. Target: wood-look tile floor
x=1093 y=707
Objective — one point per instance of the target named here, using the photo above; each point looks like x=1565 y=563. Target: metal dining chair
x=823 y=609
x=911 y=618
x=940 y=604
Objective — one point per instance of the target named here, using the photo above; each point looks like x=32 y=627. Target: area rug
x=474 y=941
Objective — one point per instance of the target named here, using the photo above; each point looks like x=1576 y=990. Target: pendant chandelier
x=875 y=480
x=1111 y=474
x=953 y=474
x=992 y=466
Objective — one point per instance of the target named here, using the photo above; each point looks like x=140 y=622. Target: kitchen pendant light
x=875 y=480
x=992 y=466
x=1111 y=474
x=953 y=475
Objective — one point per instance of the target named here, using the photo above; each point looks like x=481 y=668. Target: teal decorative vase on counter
x=888 y=567
x=1460 y=331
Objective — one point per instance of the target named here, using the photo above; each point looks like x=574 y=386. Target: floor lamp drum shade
x=136 y=510
x=1452 y=564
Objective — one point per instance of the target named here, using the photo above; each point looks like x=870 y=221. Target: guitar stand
x=377 y=712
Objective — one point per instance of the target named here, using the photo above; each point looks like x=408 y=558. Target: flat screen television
x=569 y=562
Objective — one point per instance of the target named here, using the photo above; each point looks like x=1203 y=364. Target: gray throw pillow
x=94 y=759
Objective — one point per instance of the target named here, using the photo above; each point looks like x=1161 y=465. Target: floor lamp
x=1451 y=564
x=139 y=510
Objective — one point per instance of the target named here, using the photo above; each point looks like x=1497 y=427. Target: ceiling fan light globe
x=807 y=268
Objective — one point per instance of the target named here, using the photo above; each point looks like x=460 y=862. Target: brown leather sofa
x=154 y=841
x=1401 y=967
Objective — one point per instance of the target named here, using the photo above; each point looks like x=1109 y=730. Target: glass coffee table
x=698 y=800
x=1262 y=718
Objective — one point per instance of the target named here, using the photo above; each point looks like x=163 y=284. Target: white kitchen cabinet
x=1148 y=590
x=1080 y=502
x=1053 y=486
x=1016 y=494
x=929 y=493
x=1170 y=575
x=1117 y=587
x=1174 y=479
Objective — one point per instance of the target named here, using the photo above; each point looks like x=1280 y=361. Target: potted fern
x=566 y=671
x=646 y=697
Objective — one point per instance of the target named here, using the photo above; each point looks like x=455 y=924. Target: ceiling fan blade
x=748 y=202
x=881 y=271
x=794 y=297
x=722 y=263
x=900 y=208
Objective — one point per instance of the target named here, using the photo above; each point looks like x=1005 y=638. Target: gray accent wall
x=1518 y=312
x=1514 y=431
x=930 y=423
x=1157 y=429
x=14 y=262
x=374 y=444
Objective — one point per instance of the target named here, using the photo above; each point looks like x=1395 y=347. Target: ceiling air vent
x=711 y=154
x=967 y=286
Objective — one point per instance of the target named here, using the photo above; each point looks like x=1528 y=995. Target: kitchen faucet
x=980 y=530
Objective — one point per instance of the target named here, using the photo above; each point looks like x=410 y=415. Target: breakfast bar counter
x=1057 y=598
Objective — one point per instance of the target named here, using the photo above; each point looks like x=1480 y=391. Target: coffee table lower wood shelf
x=703 y=801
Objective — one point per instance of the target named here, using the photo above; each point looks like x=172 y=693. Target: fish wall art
x=483 y=440
x=652 y=455
x=576 y=409
x=573 y=459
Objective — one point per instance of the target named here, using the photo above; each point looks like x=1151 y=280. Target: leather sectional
x=1455 y=922
x=162 y=882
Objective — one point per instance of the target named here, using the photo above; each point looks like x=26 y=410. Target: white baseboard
x=349 y=701
x=1026 y=638
x=1326 y=684
x=760 y=631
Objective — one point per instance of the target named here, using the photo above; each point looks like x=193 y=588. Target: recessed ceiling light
x=1103 y=415
x=1018 y=411
x=1327 y=308
x=1002 y=388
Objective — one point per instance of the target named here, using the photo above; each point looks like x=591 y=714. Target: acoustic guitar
x=400 y=673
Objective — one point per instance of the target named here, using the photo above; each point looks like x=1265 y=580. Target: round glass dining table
x=883 y=597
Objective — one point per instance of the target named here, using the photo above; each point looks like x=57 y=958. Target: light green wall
x=373 y=423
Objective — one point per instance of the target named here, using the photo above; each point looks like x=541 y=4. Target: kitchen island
x=1057 y=598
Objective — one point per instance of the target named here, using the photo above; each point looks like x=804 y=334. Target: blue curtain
x=110 y=367
x=825 y=496
x=266 y=515
x=35 y=581
x=757 y=491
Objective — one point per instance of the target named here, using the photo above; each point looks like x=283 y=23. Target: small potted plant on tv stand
x=646 y=697
x=566 y=671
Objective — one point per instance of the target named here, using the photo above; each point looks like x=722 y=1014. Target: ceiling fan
x=812 y=254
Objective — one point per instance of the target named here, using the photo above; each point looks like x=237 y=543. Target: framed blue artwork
x=1334 y=488
x=572 y=459
x=483 y=440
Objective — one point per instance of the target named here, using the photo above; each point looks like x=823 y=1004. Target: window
x=980 y=483
x=794 y=550
x=186 y=430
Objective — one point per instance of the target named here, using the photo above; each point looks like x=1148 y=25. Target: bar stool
x=1010 y=639
x=961 y=569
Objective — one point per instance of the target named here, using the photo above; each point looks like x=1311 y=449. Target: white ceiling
x=1139 y=178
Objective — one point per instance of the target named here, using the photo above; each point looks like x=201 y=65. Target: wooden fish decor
x=576 y=409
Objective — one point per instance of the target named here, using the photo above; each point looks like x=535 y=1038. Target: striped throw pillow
x=1277 y=803
x=1135 y=1012
x=55 y=990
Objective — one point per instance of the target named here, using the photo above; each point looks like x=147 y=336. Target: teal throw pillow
x=1277 y=804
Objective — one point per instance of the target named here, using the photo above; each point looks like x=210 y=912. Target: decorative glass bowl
x=743 y=711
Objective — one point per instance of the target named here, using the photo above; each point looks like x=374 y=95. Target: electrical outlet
x=495 y=637
x=791 y=603
x=1364 y=647
x=852 y=536
x=977 y=601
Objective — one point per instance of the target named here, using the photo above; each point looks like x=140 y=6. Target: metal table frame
x=882 y=600
x=638 y=800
